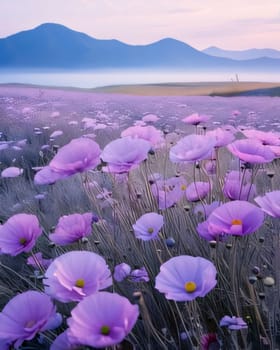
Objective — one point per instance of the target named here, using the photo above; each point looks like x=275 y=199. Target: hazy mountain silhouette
x=242 y=54
x=54 y=46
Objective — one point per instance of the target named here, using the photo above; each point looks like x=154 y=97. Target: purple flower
x=239 y=186
x=251 y=151
x=206 y=209
x=196 y=119
x=148 y=133
x=76 y=274
x=169 y=191
x=102 y=320
x=235 y=218
x=124 y=154
x=121 y=272
x=150 y=118
x=185 y=278
x=25 y=315
x=270 y=203
x=196 y=191
x=38 y=261
x=11 y=172
x=63 y=343
x=204 y=232
x=19 y=234
x=265 y=137
x=233 y=323
x=223 y=137
x=192 y=148
x=71 y=228
x=147 y=226
x=139 y=275
x=77 y=156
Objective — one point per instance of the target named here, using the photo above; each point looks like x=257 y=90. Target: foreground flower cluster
x=172 y=252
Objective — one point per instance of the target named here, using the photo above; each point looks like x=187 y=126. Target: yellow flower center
x=236 y=222
x=150 y=230
x=183 y=187
x=190 y=286
x=22 y=241
x=80 y=283
x=105 y=330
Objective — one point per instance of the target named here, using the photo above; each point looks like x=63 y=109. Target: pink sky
x=229 y=24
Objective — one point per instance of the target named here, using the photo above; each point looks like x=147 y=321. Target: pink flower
x=147 y=226
x=71 y=228
x=196 y=191
x=196 y=119
x=76 y=274
x=148 y=133
x=19 y=234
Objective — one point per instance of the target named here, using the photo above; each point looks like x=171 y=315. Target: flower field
x=136 y=222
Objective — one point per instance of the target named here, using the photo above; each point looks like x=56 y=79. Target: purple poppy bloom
x=19 y=234
x=71 y=228
x=77 y=156
x=196 y=119
x=196 y=191
x=47 y=176
x=148 y=133
x=235 y=218
x=25 y=315
x=206 y=209
x=265 y=137
x=251 y=151
x=38 y=261
x=76 y=274
x=192 y=148
x=223 y=137
x=185 y=278
x=102 y=319
x=150 y=118
x=11 y=172
x=63 y=343
x=5 y=344
x=239 y=186
x=121 y=272
x=125 y=154
x=270 y=203
x=56 y=133
x=139 y=275
x=233 y=323
x=147 y=226
x=169 y=191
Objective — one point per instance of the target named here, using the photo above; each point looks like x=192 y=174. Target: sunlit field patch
x=138 y=222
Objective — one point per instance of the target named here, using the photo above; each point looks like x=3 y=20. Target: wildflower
x=62 y=342
x=270 y=203
x=147 y=226
x=239 y=186
x=196 y=119
x=233 y=323
x=235 y=218
x=25 y=315
x=169 y=191
x=192 y=148
x=19 y=234
x=139 y=275
x=251 y=151
x=223 y=137
x=76 y=274
x=11 y=172
x=37 y=261
x=148 y=133
x=71 y=228
x=121 y=272
x=265 y=137
x=197 y=191
x=150 y=118
x=124 y=154
x=185 y=278
x=206 y=209
x=102 y=320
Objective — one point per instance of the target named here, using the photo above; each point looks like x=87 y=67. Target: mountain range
x=54 y=46
x=242 y=54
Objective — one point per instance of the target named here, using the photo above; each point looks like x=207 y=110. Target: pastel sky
x=229 y=24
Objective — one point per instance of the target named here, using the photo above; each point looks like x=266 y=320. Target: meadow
x=138 y=222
